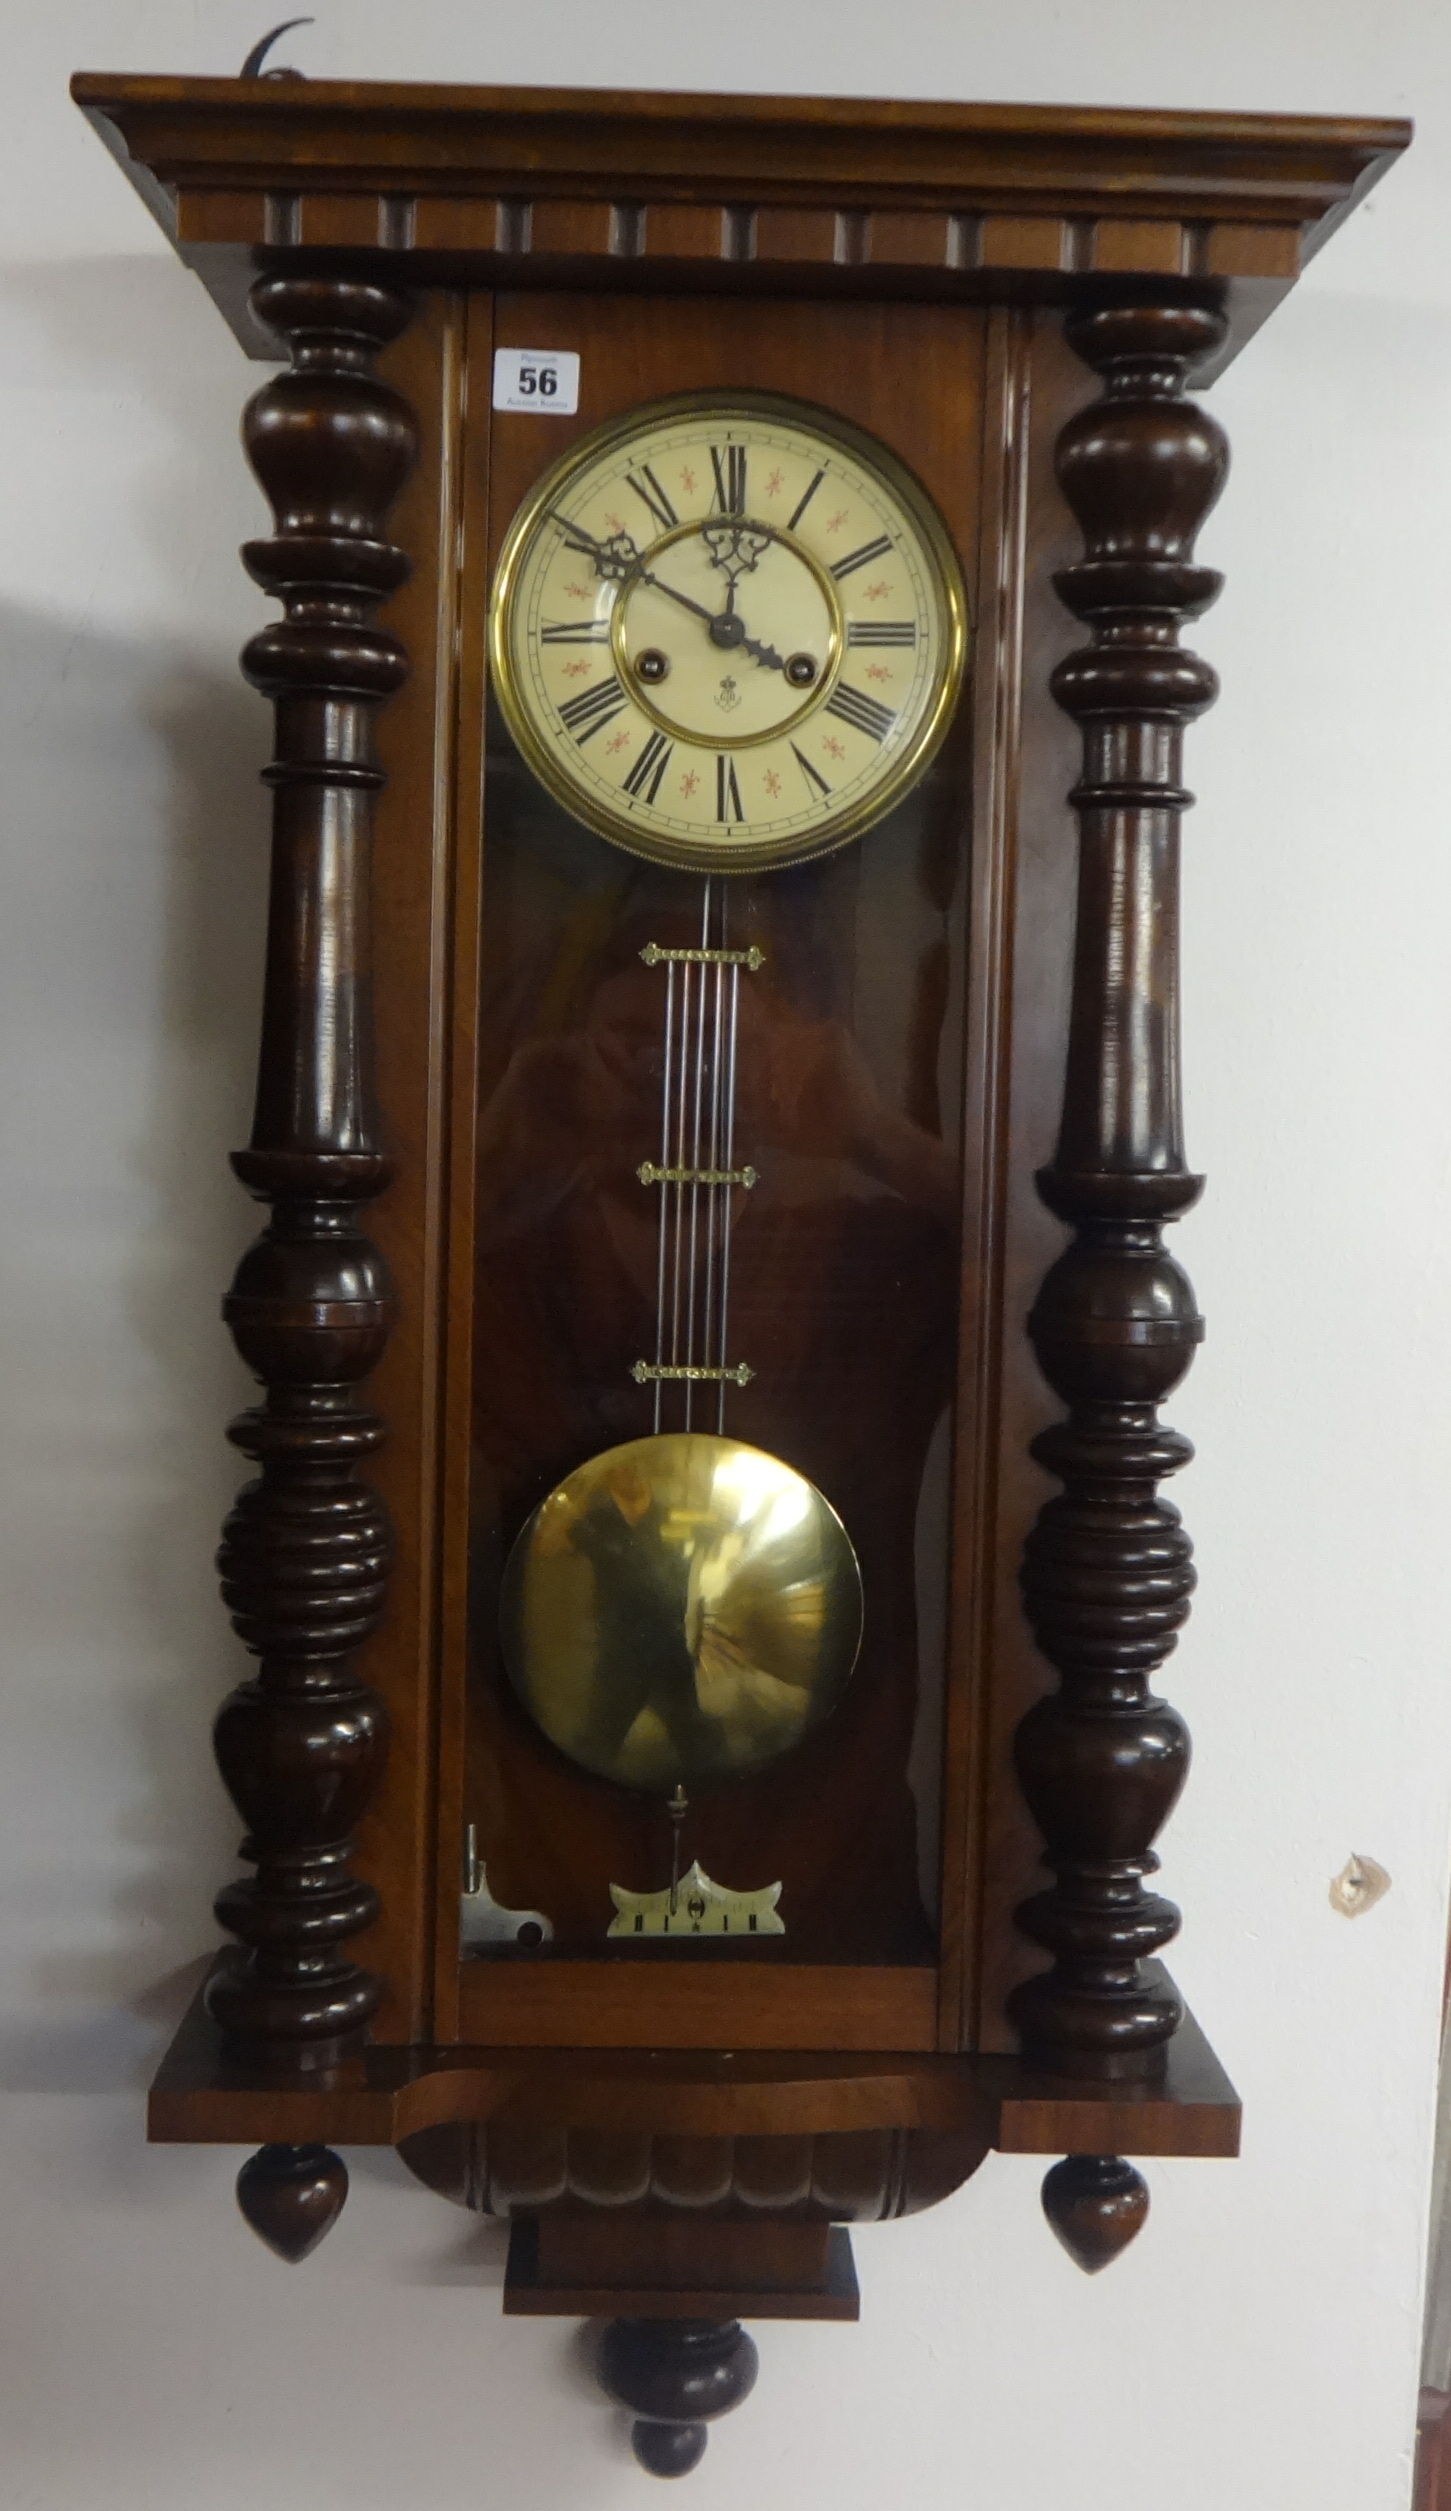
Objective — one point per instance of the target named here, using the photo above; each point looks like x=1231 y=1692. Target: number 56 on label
x=543 y=381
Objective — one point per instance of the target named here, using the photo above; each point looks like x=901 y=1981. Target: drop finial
x=1097 y=2204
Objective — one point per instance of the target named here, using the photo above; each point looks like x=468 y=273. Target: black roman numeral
x=649 y=768
x=727 y=791
x=580 y=632
x=813 y=775
x=862 y=557
x=879 y=631
x=806 y=500
x=729 y=465
x=864 y=714
x=593 y=707
x=649 y=490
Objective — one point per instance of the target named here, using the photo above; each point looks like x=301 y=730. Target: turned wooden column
x=1106 y=1574
x=305 y=1552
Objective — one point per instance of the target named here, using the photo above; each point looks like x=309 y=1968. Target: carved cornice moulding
x=756 y=195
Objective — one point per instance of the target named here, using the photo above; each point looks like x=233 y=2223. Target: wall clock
x=718 y=1113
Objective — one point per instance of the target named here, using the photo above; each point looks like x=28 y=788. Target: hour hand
x=616 y=559
x=725 y=628
x=765 y=654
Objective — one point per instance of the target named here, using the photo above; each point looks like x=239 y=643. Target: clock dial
x=728 y=633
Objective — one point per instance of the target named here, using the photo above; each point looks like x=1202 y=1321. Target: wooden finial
x=292 y=2195
x=677 y=2375
x=1097 y=2204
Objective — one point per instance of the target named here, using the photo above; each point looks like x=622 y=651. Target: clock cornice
x=749 y=194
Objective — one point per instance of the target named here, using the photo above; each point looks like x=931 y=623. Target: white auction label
x=542 y=380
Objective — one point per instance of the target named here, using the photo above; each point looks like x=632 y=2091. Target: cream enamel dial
x=728 y=632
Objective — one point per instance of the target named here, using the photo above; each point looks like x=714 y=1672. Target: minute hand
x=751 y=645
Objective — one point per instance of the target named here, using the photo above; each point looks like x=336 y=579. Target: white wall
x=1258 y=2346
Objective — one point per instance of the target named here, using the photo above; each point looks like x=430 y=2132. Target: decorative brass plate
x=696 y=1907
x=681 y=1610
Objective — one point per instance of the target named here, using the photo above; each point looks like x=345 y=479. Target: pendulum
x=720 y=1613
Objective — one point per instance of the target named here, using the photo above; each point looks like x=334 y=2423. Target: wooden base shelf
x=388 y=2094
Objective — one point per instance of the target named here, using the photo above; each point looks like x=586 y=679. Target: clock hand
x=616 y=559
x=766 y=654
x=725 y=628
x=643 y=576
x=620 y=562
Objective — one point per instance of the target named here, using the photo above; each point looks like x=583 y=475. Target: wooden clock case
x=1014 y=300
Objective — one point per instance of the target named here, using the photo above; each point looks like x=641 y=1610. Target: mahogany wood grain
x=984 y=1324
x=460 y=983
x=664 y=2004
x=1038 y=927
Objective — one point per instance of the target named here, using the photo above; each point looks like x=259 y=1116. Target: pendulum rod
x=728 y=1155
x=696 y=1149
x=716 y=1196
x=676 y=1167
x=666 y=1090
x=696 y=1173
x=678 y=1806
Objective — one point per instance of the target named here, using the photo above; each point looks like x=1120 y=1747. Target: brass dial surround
x=819 y=524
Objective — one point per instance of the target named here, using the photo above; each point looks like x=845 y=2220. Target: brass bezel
x=834 y=830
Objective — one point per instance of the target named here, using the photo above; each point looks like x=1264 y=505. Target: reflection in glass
x=844 y=1297
x=680 y=1611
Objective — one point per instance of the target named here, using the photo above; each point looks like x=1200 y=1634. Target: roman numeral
x=729 y=465
x=862 y=557
x=649 y=490
x=649 y=768
x=864 y=714
x=806 y=500
x=813 y=775
x=877 y=632
x=581 y=632
x=727 y=791
x=583 y=715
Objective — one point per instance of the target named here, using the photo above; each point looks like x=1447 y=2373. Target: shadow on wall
x=130 y=963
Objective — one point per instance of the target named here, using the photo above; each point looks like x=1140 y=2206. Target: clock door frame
x=930 y=361
x=1020 y=911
